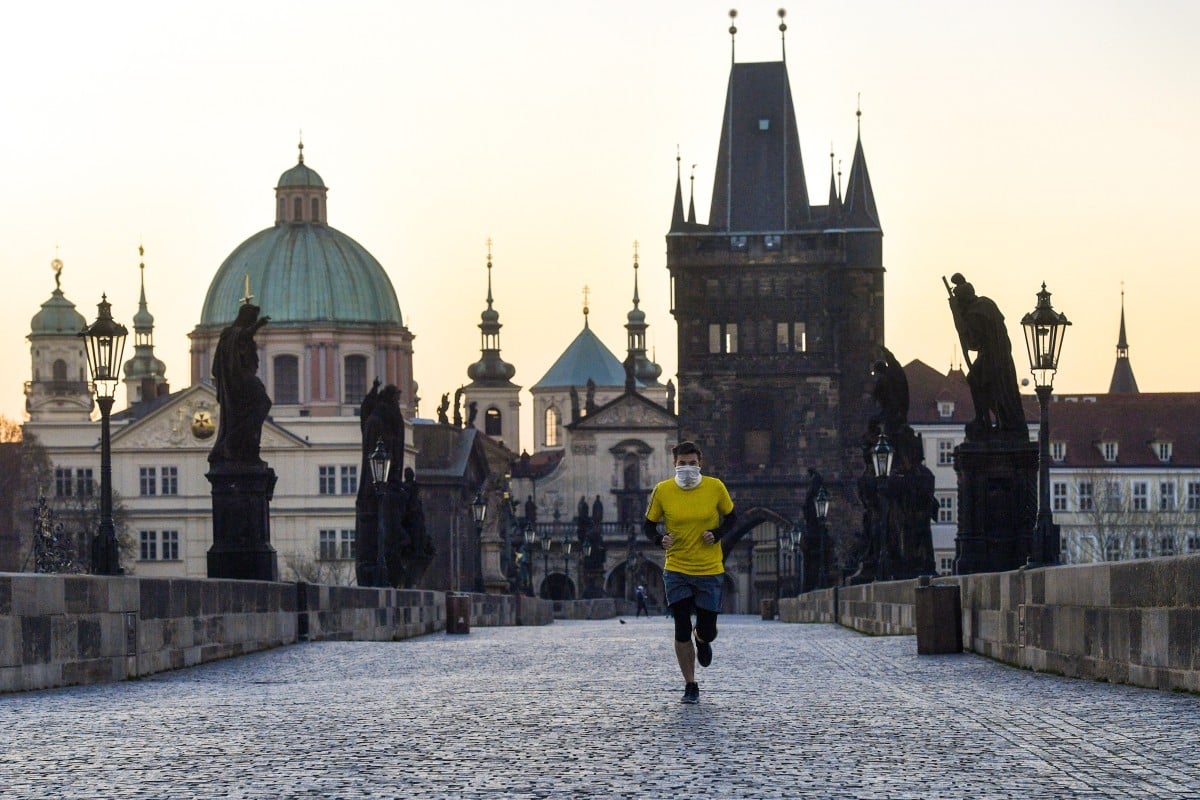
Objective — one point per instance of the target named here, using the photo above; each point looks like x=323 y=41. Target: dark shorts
x=705 y=590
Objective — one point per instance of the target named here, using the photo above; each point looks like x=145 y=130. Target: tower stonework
x=780 y=309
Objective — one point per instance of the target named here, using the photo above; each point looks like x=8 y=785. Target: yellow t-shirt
x=688 y=514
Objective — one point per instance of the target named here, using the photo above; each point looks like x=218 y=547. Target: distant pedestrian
x=696 y=512
x=640 y=594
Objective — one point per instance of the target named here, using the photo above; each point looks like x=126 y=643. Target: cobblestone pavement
x=591 y=709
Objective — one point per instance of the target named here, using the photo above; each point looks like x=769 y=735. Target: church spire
x=490 y=369
x=691 y=217
x=860 y=198
x=145 y=375
x=643 y=370
x=1122 y=381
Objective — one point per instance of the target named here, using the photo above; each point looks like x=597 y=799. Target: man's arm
x=650 y=528
x=725 y=527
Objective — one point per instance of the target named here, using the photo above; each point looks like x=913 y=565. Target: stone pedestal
x=997 y=504
x=242 y=523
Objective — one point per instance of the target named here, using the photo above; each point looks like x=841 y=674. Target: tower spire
x=677 y=220
x=301 y=146
x=860 y=207
x=691 y=217
x=782 y=33
x=145 y=374
x=1122 y=381
x=586 y=292
x=732 y=36
x=638 y=368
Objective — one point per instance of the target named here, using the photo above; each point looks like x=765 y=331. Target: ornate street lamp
x=105 y=343
x=821 y=502
x=547 y=542
x=479 y=510
x=881 y=460
x=531 y=541
x=381 y=467
x=1044 y=331
x=566 y=548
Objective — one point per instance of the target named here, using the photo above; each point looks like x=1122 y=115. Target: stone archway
x=557 y=586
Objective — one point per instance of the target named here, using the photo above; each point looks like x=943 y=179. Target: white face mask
x=687 y=476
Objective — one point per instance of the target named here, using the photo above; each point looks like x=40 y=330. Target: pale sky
x=1015 y=142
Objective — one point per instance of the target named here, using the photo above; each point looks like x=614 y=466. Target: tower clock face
x=202 y=425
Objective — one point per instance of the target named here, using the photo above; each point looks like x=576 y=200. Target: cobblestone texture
x=591 y=709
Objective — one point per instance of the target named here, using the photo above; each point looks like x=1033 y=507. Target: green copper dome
x=300 y=175
x=300 y=274
x=58 y=315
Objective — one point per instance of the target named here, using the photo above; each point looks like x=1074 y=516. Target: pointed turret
x=759 y=183
x=860 y=211
x=835 y=199
x=691 y=218
x=677 y=219
x=145 y=375
x=1122 y=381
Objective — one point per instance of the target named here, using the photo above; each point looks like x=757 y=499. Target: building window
x=346 y=545
x=1141 y=546
x=945 y=409
x=148 y=545
x=945 y=513
x=62 y=482
x=945 y=452
x=287 y=380
x=85 y=485
x=1193 y=542
x=147 y=481
x=491 y=422
x=1193 y=496
x=1058 y=494
x=1112 y=549
x=349 y=479
x=1112 y=495
x=783 y=342
x=170 y=480
x=355 y=379
x=552 y=427
x=1140 y=496
x=1087 y=501
x=947 y=565
x=723 y=337
x=316 y=209
x=790 y=337
x=170 y=545
x=1109 y=451
x=298 y=209
x=326 y=480
x=1058 y=451
x=1166 y=546
x=1163 y=450
x=1166 y=496
x=327 y=545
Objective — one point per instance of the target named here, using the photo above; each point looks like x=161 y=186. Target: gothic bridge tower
x=779 y=306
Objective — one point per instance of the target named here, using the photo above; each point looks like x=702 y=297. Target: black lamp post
x=583 y=564
x=795 y=540
x=1044 y=331
x=783 y=543
x=531 y=540
x=881 y=460
x=821 y=502
x=566 y=548
x=105 y=343
x=547 y=542
x=381 y=467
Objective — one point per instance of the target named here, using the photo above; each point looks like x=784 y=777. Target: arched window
x=282 y=208
x=355 y=379
x=552 y=420
x=632 y=471
x=298 y=210
x=316 y=209
x=491 y=422
x=60 y=370
x=287 y=380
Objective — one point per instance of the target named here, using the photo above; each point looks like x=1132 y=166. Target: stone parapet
x=1135 y=622
x=62 y=630
x=597 y=608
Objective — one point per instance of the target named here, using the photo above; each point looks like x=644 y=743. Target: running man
x=696 y=511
